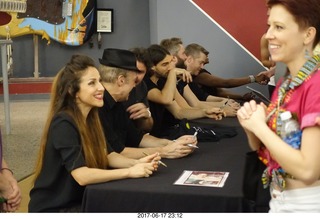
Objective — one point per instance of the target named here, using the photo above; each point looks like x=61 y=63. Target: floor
x=28 y=104
x=21 y=145
x=27 y=118
x=25 y=186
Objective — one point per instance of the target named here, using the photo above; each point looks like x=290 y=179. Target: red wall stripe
x=245 y=20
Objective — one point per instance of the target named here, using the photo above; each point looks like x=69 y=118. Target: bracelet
x=252 y=78
x=7 y=169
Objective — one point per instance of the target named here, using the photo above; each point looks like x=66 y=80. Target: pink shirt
x=305 y=100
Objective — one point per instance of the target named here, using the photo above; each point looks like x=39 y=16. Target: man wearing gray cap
x=118 y=72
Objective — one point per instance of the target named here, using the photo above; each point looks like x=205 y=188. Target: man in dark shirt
x=193 y=94
x=137 y=104
x=163 y=93
x=214 y=85
x=118 y=72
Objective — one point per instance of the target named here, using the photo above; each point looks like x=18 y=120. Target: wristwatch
x=252 y=78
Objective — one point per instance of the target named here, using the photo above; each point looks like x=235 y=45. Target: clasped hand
x=215 y=113
x=251 y=114
x=145 y=166
x=153 y=159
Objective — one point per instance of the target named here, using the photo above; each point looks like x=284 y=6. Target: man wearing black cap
x=118 y=72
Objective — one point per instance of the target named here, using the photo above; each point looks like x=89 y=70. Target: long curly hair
x=63 y=99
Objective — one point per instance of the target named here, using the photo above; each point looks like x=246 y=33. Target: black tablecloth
x=158 y=194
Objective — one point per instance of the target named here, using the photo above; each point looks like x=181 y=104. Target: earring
x=306 y=54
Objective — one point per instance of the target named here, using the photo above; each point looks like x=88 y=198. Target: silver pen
x=194 y=136
x=192 y=145
x=160 y=162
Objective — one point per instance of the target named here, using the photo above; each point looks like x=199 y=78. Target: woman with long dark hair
x=73 y=149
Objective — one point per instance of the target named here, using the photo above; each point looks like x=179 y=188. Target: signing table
x=158 y=194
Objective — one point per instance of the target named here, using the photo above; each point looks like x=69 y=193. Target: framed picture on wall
x=105 y=20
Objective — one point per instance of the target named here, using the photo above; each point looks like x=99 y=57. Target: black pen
x=160 y=162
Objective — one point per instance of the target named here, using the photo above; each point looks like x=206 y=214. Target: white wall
x=181 y=18
x=139 y=23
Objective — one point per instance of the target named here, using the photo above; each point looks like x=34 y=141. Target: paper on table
x=202 y=178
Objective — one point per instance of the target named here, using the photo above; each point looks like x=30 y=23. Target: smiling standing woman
x=73 y=150
x=293 y=174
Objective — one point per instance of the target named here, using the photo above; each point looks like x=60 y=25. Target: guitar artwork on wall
x=69 y=22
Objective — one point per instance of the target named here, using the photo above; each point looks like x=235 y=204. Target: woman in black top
x=73 y=150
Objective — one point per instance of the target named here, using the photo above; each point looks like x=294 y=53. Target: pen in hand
x=160 y=162
x=194 y=136
x=225 y=104
x=190 y=145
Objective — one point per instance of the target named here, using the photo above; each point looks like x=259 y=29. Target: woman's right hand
x=251 y=115
x=142 y=170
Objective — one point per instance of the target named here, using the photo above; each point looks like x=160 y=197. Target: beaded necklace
x=274 y=110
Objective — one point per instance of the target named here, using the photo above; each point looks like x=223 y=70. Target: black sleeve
x=66 y=140
x=201 y=94
x=113 y=142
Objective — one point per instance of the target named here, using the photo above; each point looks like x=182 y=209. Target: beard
x=180 y=64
